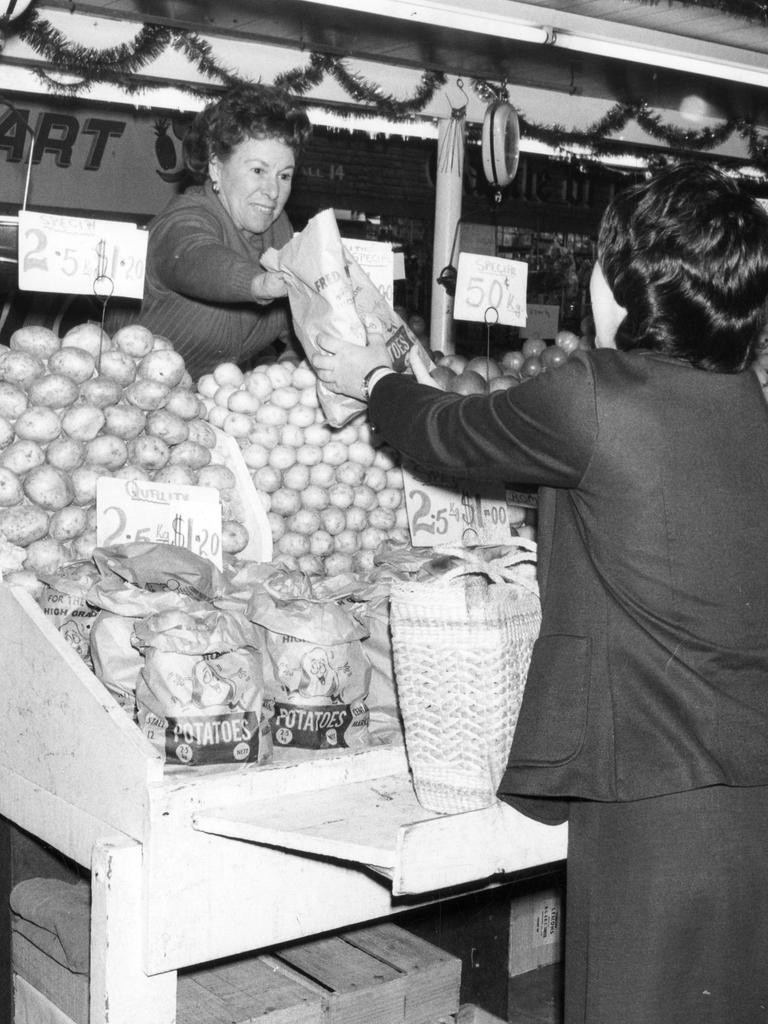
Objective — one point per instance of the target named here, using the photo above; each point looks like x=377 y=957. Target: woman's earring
x=215 y=187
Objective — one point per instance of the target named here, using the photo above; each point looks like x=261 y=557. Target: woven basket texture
x=461 y=653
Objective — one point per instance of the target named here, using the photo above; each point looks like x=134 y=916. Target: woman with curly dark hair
x=205 y=289
x=645 y=714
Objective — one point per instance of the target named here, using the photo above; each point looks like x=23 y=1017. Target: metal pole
x=448 y=190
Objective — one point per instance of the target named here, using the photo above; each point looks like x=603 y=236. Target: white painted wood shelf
x=190 y=866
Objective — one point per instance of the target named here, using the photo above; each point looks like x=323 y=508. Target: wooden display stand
x=189 y=867
x=375 y=975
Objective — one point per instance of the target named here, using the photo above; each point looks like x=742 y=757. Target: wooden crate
x=432 y=976
x=375 y=975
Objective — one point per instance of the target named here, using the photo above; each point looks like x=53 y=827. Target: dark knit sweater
x=197 y=291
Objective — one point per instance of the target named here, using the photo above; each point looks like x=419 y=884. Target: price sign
x=490 y=289
x=524 y=497
x=441 y=511
x=144 y=510
x=377 y=260
x=81 y=256
x=542 y=321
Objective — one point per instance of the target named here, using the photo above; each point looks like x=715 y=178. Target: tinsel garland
x=123 y=64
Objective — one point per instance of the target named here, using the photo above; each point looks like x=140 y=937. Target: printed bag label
x=212 y=739
x=318 y=726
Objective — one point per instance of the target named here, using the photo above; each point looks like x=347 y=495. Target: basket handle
x=497 y=570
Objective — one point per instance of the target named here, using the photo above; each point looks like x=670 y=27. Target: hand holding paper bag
x=331 y=297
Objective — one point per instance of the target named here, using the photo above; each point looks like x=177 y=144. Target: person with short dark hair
x=205 y=289
x=645 y=715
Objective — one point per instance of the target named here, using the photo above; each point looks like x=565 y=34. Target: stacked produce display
x=77 y=408
x=87 y=405
x=332 y=495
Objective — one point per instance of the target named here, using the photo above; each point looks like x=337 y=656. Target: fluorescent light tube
x=730 y=70
x=490 y=19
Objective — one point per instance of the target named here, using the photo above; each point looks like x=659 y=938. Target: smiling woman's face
x=254 y=182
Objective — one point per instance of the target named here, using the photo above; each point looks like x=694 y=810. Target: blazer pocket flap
x=553 y=715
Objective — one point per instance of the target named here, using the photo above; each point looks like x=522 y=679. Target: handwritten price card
x=377 y=260
x=81 y=256
x=490 y=289
x=441 y=512
x=542 y=321
x=143 y=510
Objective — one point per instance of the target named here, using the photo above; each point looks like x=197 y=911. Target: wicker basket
x=461 y=646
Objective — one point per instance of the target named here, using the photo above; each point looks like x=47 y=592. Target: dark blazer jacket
x=650 y=674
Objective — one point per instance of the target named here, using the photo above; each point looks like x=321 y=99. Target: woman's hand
x=342 y=366
x=268 y=286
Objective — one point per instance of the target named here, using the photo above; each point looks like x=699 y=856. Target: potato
x=107 y=452
x=183 y=403
x=339 y=563
x=126 y=421
x=84 y=480
x=11 y=491
x=167 y=425
x=243 y=401
x=151 y=453
x=13 y=400
x=217 y=414
x=89 y=336
x=293 y=544
x=236 y=424
x=48 y=487
x=163 y=366
x=234 y=537
x=54 y=390
x=37 y=340
x=303 y=376
x=190 y=453
x=220 y=477
x=68 y=522
x=134 y=340
x=82 y=547
x=229 y=374
x=21 y=456
x=75 y=363
x=38 y=424
x=23 y=524
x=202 y=433
x=101 y=392
x=161 y=344
x=21 y=368
x=6 y=432
x=65 y=453
x=44 y=556
x=176 y=475
x=131 y=472
x=147 y=394
x=321 y=543
x=255 y=455
x=207 y=385
x=117 y=365
x=83 y=422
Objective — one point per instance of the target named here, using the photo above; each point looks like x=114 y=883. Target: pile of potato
x=84 y=406
x=332 y=495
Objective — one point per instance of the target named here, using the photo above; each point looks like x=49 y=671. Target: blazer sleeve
x=540 y=432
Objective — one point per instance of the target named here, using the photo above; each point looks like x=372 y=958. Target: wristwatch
x=371 y=377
